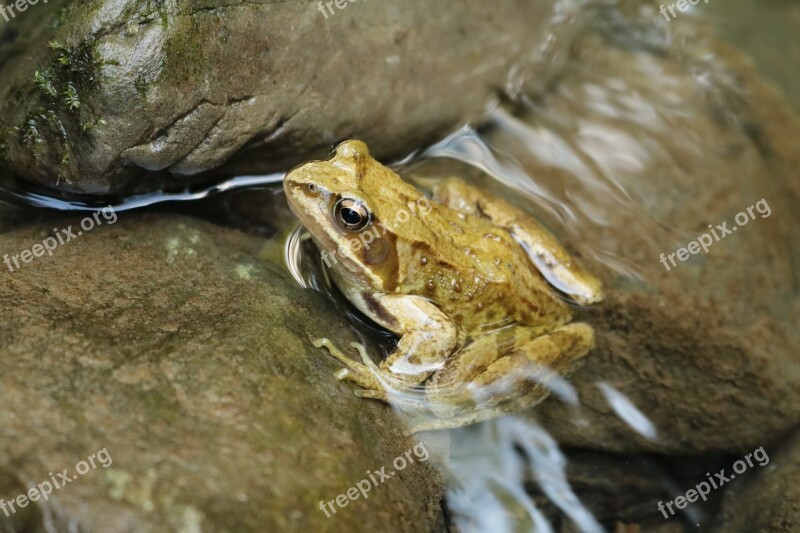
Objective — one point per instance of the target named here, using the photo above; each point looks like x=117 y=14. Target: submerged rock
x=705 y=351
x=146 y=94
x=170 y=343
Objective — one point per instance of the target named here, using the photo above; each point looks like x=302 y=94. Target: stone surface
x=126 y=87
x=768 y=502
x=174 y=345
x=759 y=29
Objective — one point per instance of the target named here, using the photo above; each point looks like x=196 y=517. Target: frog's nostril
x=312 y=188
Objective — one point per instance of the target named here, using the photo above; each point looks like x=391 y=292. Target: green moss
x=62 y=16
x=61 y=86
x=63 y=166
x=88 y=127
x=158 y=8
x=70 y=72
x=141 y=84
x=58 y=100
x=71 y=97
x=186 y=51
x=44 y=82
x=145 y=12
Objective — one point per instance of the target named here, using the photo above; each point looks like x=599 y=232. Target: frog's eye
x=351 y=215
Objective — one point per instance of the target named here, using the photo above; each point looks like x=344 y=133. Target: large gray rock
x=177 y=88
x=171 y=343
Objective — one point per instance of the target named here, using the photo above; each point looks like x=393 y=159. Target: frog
x=479 y=294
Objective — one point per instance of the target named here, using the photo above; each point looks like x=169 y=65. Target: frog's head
x=344 y=202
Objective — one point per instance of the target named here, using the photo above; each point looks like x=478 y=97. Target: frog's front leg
x=544 y=250
x=427 y=338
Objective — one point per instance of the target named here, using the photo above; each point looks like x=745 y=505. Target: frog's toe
x=372 y=394
x=332 y=349
x=366 y=375
x=362 y=351
x=351 y=373
x=359 y=375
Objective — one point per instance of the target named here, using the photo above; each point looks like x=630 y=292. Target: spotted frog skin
x=466 y=284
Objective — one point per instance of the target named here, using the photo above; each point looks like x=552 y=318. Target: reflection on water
x=45 y=199
x=627 y=411
x=471 y=148
x=488 y=466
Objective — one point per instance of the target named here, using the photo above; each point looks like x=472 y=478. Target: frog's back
x=479 y=275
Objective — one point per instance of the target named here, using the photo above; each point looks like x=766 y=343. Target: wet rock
x=148 y=94
x=707 y=350
x=743 y=22
x=769 y=501
x=172 y=344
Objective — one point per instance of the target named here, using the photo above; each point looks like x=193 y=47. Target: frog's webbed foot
x=365 y=374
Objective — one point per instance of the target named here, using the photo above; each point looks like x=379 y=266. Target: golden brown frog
x=463 y=281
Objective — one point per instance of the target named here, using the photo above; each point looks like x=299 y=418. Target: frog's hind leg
x=501 y=373
x=544 y=251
